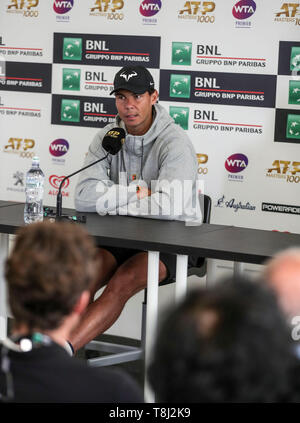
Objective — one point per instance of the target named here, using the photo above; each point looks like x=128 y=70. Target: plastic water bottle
x=34 y=192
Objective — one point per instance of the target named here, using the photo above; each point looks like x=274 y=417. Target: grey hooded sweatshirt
x=163 y=159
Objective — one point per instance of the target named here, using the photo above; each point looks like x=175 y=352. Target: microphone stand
x=59 y=215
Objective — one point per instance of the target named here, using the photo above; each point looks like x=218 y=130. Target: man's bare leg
x=129 y=278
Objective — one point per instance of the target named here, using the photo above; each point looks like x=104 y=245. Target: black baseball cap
x=133 y=78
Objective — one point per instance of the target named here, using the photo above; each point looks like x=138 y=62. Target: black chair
x=119 y=353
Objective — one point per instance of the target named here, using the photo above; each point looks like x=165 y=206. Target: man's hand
x=142 y=192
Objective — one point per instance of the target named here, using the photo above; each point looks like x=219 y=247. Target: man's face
x=135 y=110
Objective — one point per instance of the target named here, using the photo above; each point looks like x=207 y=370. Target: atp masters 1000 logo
x=27 y=8
x=198 y=11
x=109 y=9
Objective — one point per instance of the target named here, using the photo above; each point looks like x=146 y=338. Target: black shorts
x=123 y=254
x=169 y=260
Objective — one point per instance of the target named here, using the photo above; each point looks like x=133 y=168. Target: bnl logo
x=71 y=79
x=72 y=48
x=180 y=115
x=180 y=86
x=181 y=53
x=70 y=110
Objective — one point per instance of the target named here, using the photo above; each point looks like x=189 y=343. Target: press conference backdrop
x=228 y=72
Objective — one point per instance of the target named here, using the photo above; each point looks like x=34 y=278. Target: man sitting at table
x=156 y=153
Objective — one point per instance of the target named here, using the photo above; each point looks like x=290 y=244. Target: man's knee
x=107 y=267
x=131 y=276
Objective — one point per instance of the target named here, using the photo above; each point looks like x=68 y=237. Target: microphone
x=112 y=142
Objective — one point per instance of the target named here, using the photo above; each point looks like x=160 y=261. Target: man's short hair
x=50 y=265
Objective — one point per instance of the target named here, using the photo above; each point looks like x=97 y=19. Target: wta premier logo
x=62 y=7
x=59 y=147
x=149 y=8
x=236 y=163
x=243 y=9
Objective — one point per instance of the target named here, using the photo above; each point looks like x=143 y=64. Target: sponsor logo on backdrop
x=180 y=86
x=18 y=111
x=15 y=51
x=70 y=110
x=72 y=49
x=109 y=9
x=286 y=170
x=30 y=77
x=57 y=149
x=107 y=50
x=202 y=159
x=83 y=111
x=234 y=164
x=289 y=13
x=2 y=70
x=71 y=79
x=289 y=58
x=26 y=8
x=17 y=182
x=93 y=80
x=208 y=120
x=206 y=86
x=211 y=55
x=180 y=115
x=234 y=204
x=293 y=126
x=218 y=88
x=242 y=11
x=61 y=7
x=198 y=11
x=148 y=9
x=55 y=181
x=23 y=147
x=280 y=208
x=295 y=59
x=181 y=53
x=294 y=92
x=287 y=121
x=98 y=81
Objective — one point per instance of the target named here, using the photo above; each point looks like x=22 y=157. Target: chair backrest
x=205 y=202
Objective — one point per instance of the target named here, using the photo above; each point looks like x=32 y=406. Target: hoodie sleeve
x=175 y=192
x=94 y=190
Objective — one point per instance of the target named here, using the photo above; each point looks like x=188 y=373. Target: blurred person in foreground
x=49 y=273
x=231 y=344
x=282 y=273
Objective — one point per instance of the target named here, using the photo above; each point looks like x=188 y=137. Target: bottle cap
x=35 y=159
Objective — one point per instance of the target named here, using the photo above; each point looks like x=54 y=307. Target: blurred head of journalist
x=230 y=343
x=49 y=273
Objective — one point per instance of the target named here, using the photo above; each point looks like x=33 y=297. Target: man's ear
x=82 y=302
x=154 y=97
